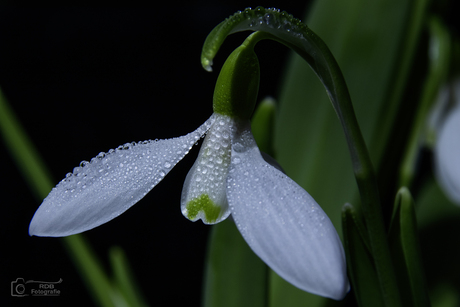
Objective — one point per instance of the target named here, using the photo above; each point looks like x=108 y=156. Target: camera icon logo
x=18 y=287
x=21 y=288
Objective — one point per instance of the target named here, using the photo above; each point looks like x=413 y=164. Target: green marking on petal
x=205 y=204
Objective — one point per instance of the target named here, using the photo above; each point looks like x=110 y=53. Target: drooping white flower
x=447 y=147
x=278 y=219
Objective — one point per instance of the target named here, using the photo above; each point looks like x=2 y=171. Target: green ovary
x=205 y=204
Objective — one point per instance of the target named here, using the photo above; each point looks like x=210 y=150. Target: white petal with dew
x=447 y=155
x=112 y=182
x=204 y=193
x=283 y=224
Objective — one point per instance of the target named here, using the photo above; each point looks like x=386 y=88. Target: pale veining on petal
x=283 y=224
x=100 y=190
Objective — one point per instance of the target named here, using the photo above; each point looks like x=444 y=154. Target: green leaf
x=90 y=269
x=23 y=152
x=283 y=293
x=406 y=254
x=234 y=275
x=123 y=280
x=360 y=263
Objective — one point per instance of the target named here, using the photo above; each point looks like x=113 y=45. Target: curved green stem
x=283 y=28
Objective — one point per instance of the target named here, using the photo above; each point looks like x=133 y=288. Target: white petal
x=204 y=193
x=102 y=189
x=283 y=224
x=447 y=155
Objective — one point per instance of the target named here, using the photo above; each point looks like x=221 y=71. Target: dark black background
x=83 y=81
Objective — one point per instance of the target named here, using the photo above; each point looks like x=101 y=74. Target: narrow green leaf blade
x=23 y=152
x=123 y=279
x=405 y=249
x=361 y=269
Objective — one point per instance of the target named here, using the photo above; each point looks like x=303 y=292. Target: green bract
x=238 y=83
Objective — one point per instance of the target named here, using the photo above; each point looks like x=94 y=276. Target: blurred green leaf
x=283 y=293
x=23 y=152
x=40 y=182
x=405 y=250
x=234 y=275
x=123 y=280
x=90 y=269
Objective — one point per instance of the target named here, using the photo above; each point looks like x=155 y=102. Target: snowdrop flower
x=279 y=220
x=447 y=146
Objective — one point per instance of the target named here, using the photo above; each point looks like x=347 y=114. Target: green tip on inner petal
x=205 y=204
